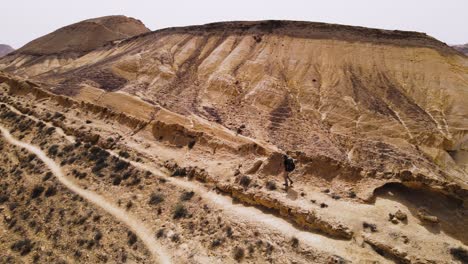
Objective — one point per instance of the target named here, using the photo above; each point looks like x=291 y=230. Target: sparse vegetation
x=336 y=196
x=251 y=249
x=97 y=153
x=129 y=205
x=58 y=115
x=229 y=231
x=216 y=242
x=179 y=172
x=98 y=236
x=79 y=175
x=121 y=165
x=191 y=144
x=3 y=198
x=23 y=246
x=132 y=238
x=156 y=198
x=245 y=180
x=49 y=130
x=51 y=191
x=269 y=248
x=65 y=226
x=160 y=233
x=179 y=211
x=117 y=180
x=294 y=242
x=68 y=148
x=186 y=196
x=124 y=154
x=53 y=150
x=175 y=238
x=100 y=164
x=36 y=191
x=460 y=254
x=271 y=185
x=238 y=253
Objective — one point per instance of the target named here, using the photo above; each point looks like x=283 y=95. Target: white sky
x=24 y=20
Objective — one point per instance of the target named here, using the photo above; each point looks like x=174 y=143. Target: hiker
x=289 y=166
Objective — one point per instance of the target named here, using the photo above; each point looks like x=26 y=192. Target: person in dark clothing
x=289 y=166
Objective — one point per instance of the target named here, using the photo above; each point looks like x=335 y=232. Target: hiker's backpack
x=289 y=164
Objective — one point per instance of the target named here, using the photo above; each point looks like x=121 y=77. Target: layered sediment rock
x=361 y=111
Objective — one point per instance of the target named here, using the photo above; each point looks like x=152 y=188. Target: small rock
x=425 y=216
x=336 y=197
x=392 y=218
x=371 y=227
x=338 y=260
x=405 y=239
x=401 y=216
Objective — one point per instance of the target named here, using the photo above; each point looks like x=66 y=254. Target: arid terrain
x=122 y=145
x=462 y=48
x=5 y=49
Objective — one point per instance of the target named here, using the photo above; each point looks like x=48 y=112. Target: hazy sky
x=447 y=20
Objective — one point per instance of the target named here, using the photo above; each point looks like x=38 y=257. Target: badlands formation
x=125 y=145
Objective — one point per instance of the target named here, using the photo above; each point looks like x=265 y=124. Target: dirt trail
x=250 y=215
x=256 y=217
x=144 y=233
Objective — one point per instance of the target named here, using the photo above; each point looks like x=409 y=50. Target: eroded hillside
x=5 y=49
x=376 y=120
x=462 y=48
